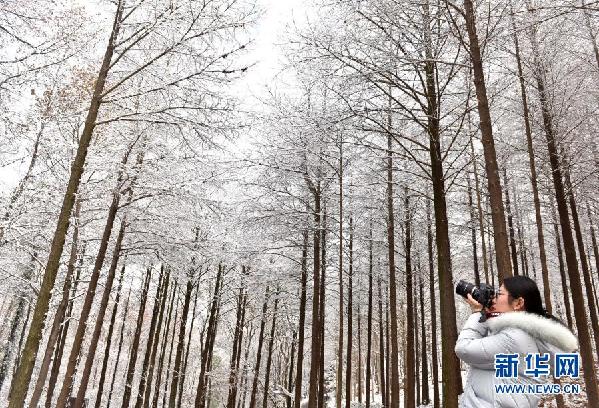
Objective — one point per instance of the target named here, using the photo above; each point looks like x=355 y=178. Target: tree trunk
x=387 y=354
x=481 y=218
x=200 y=399
x=118 y=354
x=180 y=344
x=562 y=269
x=339 y=386
x=170 y=353
x=237 y=338
x=382 y=365
x=315 y=340
x=473 y=234
x=586 y=350
x=359 y=371
x=586 y=273
x=63 y=334
x=369 y=321
x=136 y=339
x=350 y=334
x=323 y=267
x=59 y=317
x=271 y=342
x=20 y=382
x=394 y=352
x=290 y=381
x=409 y=396
x=593 y=240
x=91 y=353
x=146 y=401
x=301 y=324
x=425 y=392
x=74 y=356
x=167 y=329
x=150 y=338
x=510 y=223
x=187 y=347
x=502 y=253
x=211 y=336
x=109 y=340
x=147 y=372
x=452 y=381
x=433 y=302
x=11 y=346
x=253 y=396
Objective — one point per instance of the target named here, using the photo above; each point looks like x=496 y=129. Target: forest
x=260 y=203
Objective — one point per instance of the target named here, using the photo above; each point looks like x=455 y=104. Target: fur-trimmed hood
x=542 y=329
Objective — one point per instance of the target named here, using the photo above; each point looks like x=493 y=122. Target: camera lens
x=463 y=288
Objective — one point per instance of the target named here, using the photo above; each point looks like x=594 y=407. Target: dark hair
x=526 y=288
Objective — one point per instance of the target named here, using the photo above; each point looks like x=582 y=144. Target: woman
x=517 y=323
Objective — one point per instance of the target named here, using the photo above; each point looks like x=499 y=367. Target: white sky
x=270 y=31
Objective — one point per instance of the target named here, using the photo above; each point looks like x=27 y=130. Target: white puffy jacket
x=511 y=332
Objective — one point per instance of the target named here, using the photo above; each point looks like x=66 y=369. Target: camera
x=483 y=294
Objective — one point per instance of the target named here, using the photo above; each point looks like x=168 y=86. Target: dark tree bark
x=301 y=324
x=180 y=345
x=237 y=339
x=79 y=401
x=359 y=371
x=271 y=342
x=510 y=223
x=170 y=353
x=416 y=342
x=473 y=233
x=452 y=381
x=206 y=362
x=136 y=339
x=59 y=316
x=315 y=189
x=109 y=340
x=211 y=337
x=586 y=350
x=11 y=348
x=323 y=267
x=586 y=273
x=593 y=240
x=394 y=352
x=382 y=359
x=254 y=394
x=290 y=380
x=433 y=302
x=387 y=355
x=425 y=391
x=369 y=321
x=147 y=371
x=91 y=291
x=350 y=334
x=20 y=382
x=167 y=329
x=481 y=219
x=118 y=354
x=63 y=334
x=562 y=269
x=245 y=367
x=339 y=386
x=502 y=253
x=187 y=347
x=409 y=395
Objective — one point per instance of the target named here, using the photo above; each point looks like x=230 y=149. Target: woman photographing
x=516 y=322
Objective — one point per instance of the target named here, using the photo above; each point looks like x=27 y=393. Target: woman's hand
x=474 y=305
